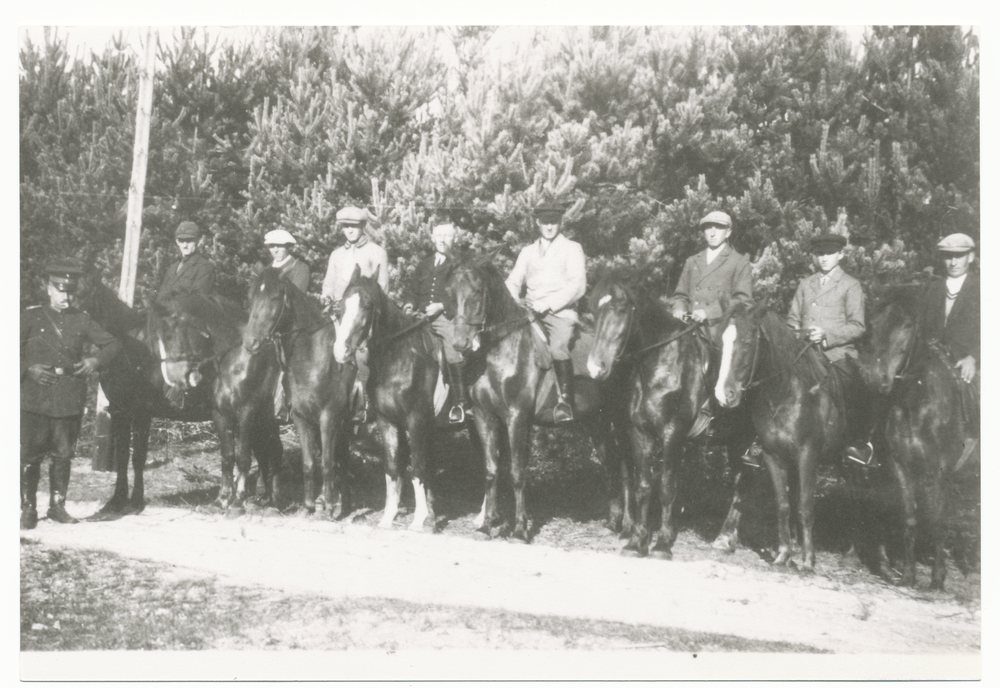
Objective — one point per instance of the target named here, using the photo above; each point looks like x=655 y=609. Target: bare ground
x=183 y=575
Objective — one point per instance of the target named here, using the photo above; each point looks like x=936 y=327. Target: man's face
x=828 y=261
x=60 y=293
x=716 y=235
x=278 y=252
x=187 y=246
x=443 y=240
x=352 y=232
x=547 y=231
x=957 y=264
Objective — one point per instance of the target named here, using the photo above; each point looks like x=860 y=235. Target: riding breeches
x=42 y=435
x=445 y=329
x=560 y=332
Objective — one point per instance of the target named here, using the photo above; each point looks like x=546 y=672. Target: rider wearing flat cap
x=193 y=273
x=829 y=310
x=951 y=317
x=373 y=260
x=279 y=243
x=552 y=272
x=54 y=372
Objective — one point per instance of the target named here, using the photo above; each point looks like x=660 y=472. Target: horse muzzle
x=729 y=396
x=597 y=369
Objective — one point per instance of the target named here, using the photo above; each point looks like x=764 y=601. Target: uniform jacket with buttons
x=194 y=274
x=554 y=278
x=702 y=284
x=56 y=339
x=838 y=307
x=960 y=334
x=428 y=285
x=341 y=266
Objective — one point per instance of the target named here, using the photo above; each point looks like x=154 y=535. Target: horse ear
x=490 y=257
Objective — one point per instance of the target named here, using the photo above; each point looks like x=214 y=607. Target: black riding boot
x=563 y=411
x=460 y=408
x=29 y=487
x=58 y=485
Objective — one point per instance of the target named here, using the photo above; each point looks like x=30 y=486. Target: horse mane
x=786 y=354
x=650 y=314
x=308 y=313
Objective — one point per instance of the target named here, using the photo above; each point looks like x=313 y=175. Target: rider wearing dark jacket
x=193 y=272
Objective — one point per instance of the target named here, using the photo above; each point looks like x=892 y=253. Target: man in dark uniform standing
x=193 y=272
x=54 y=387
x=426 y=295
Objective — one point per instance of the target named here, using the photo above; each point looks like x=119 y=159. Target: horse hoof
x=236 y=511
x=385 y=525
x=661 y=554
x=631 y=553
x=724 y=543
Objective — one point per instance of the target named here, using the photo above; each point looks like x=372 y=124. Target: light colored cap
x=352 y=216
x=956 y=243
x=278 y=237
x=716 y=217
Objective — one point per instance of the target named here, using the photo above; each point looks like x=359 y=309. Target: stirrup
x=857 y=455
x=562 y=412
x=456 y=416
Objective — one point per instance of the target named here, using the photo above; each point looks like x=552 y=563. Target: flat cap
x=716 y=217
x=549 y=213
x=278 y=237
x=956 y=243
x=827 y=243
x=352 y=216
x=187 y=230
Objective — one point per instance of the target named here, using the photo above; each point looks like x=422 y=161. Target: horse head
x=468 y=290
x=182 y=342
x=740 y=340
x=892 y=339
x=613 y=306
x=270 y=313
x=361 y=306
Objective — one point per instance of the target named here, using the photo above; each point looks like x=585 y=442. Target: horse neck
x=650 y=324
x=782 y=356
x=501 y=306
x=306 y=315
x=388 y=319
x=110 y=312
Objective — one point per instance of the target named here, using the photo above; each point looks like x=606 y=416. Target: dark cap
x=825 y=244
x=63 y=273
x=549 y=213
x=187 y=230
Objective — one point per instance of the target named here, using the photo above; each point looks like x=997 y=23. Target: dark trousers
x=42 y=435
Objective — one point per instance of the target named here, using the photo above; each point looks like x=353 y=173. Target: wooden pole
x=103 y=459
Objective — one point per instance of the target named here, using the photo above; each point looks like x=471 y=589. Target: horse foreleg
x=488 y=429
x=311 y=444
x=614 y=473
x=779 y=478
x=728 y=537
x=120 y=435
x=393 y=479
x=643 y=448
x=807 y=502
x=519 y=433
x=669 y=468
x=418 y=434
x=140 y=450
x=936 y=503
x=900 y=457
x=265 y=440
x=227 y=449
x=333 y=502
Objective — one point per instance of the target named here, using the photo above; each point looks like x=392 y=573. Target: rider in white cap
x=280 y=242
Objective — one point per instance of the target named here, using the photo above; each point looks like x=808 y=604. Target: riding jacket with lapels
x=960 y=334
x=555 y=277
x=56 y=339
x=296 y=272
x=365 y=253
x=427 y=285
x=837 y=306
x=194 y=274
x=702 y=284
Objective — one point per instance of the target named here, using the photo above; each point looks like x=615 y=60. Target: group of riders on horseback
x=547 y=282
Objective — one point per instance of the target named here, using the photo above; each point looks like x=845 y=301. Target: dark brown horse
x=925 y=428
x=404 y=360
x=200 y=338
x=517 y=389
x=667 y=364
x=797 y=411
x=284 y=318
x=134 y=385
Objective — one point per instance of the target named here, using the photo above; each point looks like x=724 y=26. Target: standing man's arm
x=108 y=347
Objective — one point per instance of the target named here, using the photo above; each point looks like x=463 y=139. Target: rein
x=421 y=321
x=672 y=338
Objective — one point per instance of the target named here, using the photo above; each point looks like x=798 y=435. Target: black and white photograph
x=486 y=352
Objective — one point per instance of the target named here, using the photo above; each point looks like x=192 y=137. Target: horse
x=516 y=389
x=136 y=390
x=925 y=430
x=667 y=363
x=200 y=338
x=286 y=318
x=797 y=411
x=404 y=360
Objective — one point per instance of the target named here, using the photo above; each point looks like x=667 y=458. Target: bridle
x=481 y=328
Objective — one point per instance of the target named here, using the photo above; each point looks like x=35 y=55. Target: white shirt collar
x=954 y=284
x=276 y=264
x=712 y=253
